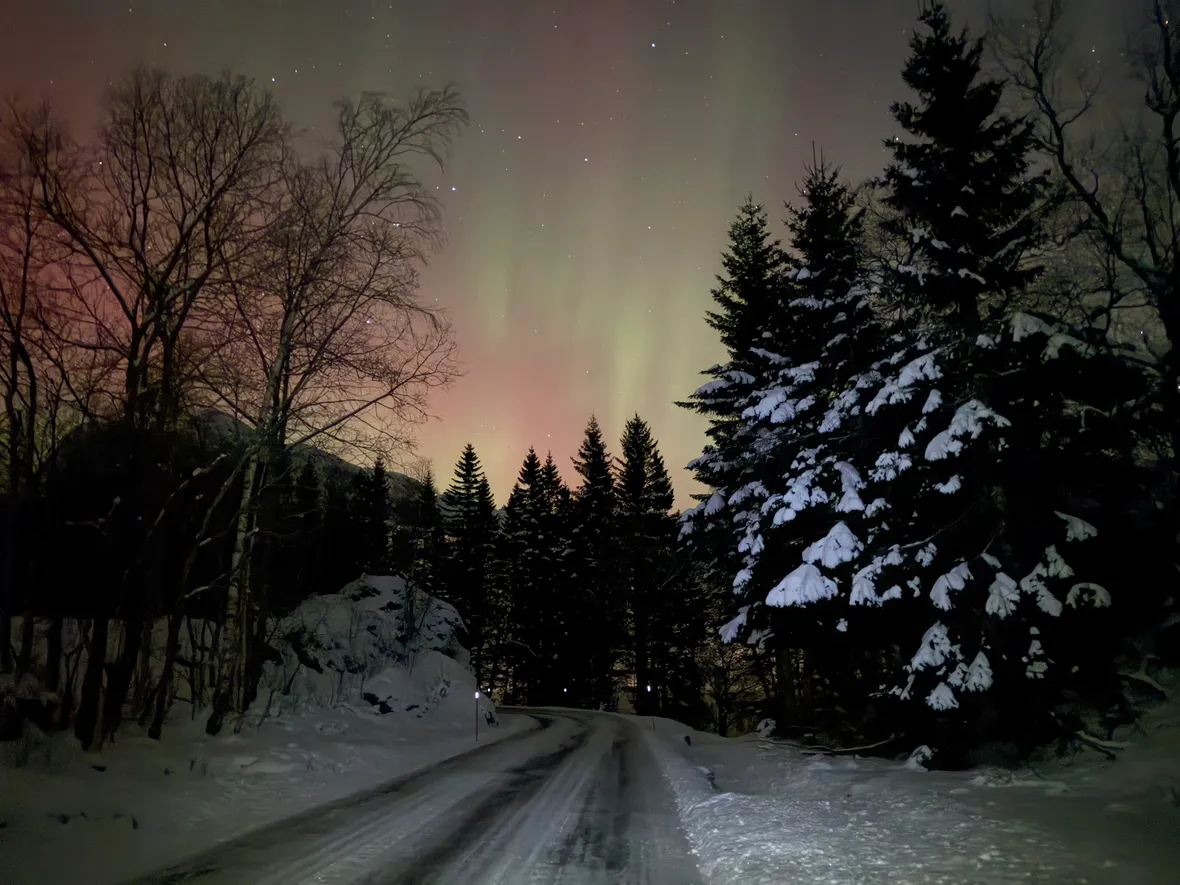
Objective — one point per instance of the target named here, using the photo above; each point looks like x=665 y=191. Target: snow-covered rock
x=376 y=646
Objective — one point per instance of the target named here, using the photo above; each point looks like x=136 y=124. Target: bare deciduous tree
x=1118 y=175
x=150 y=218
x=30 y=385
x=326 y=340
x=154 y=214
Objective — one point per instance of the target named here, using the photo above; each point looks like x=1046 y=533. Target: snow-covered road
x=579 y=801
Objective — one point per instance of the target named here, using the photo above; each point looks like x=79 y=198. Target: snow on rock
x=357 y=646
x=918 y=758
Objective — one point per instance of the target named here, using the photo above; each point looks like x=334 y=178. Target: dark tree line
x=941 y=477
x=941 y=450
x=577 y=597
x=190 y=304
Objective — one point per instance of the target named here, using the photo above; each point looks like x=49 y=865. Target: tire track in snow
x=460 y=850
x=321 y=835
x=604 y=817
x=581 y=803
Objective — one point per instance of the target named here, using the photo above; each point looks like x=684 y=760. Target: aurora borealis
x=587 y=204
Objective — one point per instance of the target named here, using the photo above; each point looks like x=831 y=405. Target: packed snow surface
x=141 y=804
x=578 y=799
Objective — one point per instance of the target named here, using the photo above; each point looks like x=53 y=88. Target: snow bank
x=69 y=816
x=1144 y=773
x=370 y=684
x=759 y=811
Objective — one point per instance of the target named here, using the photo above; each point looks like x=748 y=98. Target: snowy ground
x=101 y=818
x=760 y=812
x=571 y=797
x=378 y=688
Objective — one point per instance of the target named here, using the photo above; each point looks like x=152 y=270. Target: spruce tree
x=595 y=577
x=428 y=537
x=965 y=202
x=545 y=654
x=881 y=458
x=798 y=428
x=747 y=299
x=959 y=185
x=421 y=545
x=664 y=597
x=647 y=533
x=302 y=549
x=564 y=639
x=340 y=551
x=371 y=510
x=270 y=569
x=469 y=518
x=521 y=576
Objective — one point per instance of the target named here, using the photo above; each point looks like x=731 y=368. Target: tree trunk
x=807 y=686
x=493 y=674
x=762 y=672
x=70 y=676
x=143 y=671
x=164 y=688
x=28 y=638
x=643 y=701
x=784 y=664
x=254 y=657
x=121 y=675
x=5 y=636
x=88 y=724
x=229 y=695
x=8 y=584
x=53 y=655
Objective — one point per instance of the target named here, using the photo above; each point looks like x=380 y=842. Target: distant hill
x=401 y=486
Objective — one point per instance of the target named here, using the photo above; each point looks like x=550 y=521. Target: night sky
x=587 y=204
